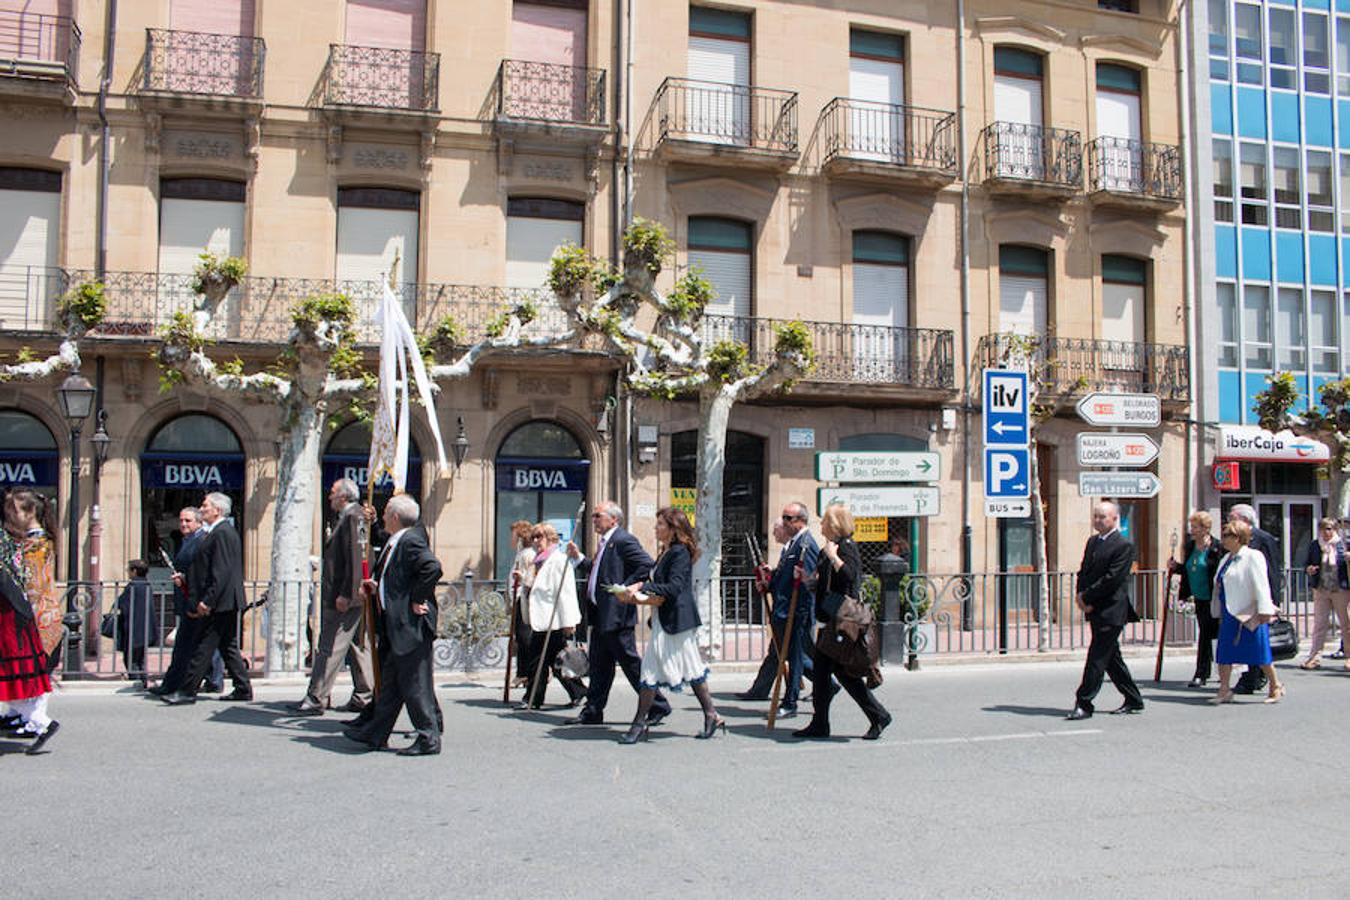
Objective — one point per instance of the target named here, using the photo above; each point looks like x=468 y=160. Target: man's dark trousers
x=220 y=631
x=1103 y=658
x=405 y=679
x=606 y=650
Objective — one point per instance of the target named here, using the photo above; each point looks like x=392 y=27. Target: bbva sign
x=17 y=473
x=192 y=475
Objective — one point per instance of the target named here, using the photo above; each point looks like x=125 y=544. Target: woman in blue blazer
x=672 y=659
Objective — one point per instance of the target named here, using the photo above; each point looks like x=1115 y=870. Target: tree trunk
x=714 y=411
x=1038 y=548
x=1340 y=492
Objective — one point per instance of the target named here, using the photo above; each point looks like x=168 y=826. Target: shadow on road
x=1049 y=711
x=332 y=743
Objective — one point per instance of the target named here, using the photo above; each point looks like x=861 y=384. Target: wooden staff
x=363 y=548
x=511 y=635
x=783 y=657
x=765 y=595
x=542 y=648
x=1167 y=605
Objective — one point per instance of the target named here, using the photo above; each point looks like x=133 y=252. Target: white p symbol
x=1005 y=467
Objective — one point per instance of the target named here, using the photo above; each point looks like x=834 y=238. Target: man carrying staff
x=189 y=628
x=215 y=588
x=619 y=559
x=402 y=590
x=341 y=623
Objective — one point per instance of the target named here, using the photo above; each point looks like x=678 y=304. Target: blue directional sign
x=1007 y=417
x=1007 y=473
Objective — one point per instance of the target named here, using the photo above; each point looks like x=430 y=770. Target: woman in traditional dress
x=1243 y=606
x=672 y=659
x=30 y=617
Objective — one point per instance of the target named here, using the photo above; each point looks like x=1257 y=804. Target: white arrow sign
x=880 y=466
x=1118 y=484
x=1121 y=409
x=1099 y=448
x=1007 y=509
x=914 y=500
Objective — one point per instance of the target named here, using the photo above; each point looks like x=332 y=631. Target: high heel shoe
x=636 y=732
x=1275 y=695
x=710 y=726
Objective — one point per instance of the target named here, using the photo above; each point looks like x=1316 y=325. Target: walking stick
x=511 y=635
x=783 y=657
x=757 y=560
x=1167 y=606
x=368 y=603
x=552 y=622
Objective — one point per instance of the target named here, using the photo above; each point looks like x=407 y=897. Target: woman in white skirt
x=672 y=659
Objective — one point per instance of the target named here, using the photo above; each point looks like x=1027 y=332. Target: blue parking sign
x=1007 y=415
x=1007 y=473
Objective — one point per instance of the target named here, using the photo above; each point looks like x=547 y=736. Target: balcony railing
x=868 y=131
x=852 y=354
x=1015 y=151
x=35 y=45
x=1069 y=366
x=28 y=296
x=736 y=115
x=544 y=92
x=1124 y=166
x=382 y=77
x=193 y=62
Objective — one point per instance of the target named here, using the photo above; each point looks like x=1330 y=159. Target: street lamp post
x=100 y=440
x=76 y=395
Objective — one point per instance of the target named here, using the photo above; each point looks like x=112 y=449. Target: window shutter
x=30 y=224
x=1022 y=303
x=530 y=243
x=730 y=275
x=368 y=240
x=187 y=228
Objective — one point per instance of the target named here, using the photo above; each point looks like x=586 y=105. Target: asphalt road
x=979 y=789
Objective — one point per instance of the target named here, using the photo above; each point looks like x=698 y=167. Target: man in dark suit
x=340 y=620
x=619 y=559
x=189 y=629
x=1104 y=597
x=799 y=549
x=215 y=586
x=403 y=594
x=1253 y=679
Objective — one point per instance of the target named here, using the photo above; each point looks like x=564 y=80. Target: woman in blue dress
x=1242 y=604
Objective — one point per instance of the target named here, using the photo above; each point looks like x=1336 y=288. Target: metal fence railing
x=869 y=131
x=983 y=613
x=37 y=45
x=738 y=115
x=546 y=92
x=191 y=62
x=382 y=77
x=1135 y=167
x=1016 y=151
x=1079 y=365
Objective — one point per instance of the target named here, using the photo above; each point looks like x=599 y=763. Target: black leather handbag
x=853 y=641
x=1283 y=639
x=107 y=626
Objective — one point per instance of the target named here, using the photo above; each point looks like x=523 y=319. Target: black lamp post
x=459 y=447
x=76 y=395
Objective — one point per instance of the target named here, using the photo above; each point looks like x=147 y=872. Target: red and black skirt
x=23 y=662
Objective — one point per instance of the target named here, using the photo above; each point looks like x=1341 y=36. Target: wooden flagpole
x=511 y=635
x=786 y=646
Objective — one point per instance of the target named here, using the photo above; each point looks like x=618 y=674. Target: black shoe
x=1127 y=709
x=751 y=695
x=217 y=688
x=787 y=712
x=302 y=709
x=656 y=716
x=812 y=731
x=178 y=698
x=352 y=706
x=357 y=736
x=710 y=726
x=1079 y=714
x=1197 y=682
x=421 y=747
x=358 y=720
x=586 y=717
x=11 y=722
x=43 y=738
x=158 y=690
x=878 y=726
x=241 y=694
x=636 y=732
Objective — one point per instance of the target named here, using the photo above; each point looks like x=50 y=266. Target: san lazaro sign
x=1248 y=442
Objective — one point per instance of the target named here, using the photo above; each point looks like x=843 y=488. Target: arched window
x=1119 y=153
x=1019 y=110
x=185 y=459
x=542 y=476
x=29 y=457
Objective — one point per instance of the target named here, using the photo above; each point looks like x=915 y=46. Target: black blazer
x=1104 y=578
x=623 y=562
x=673 y=579
x=833 y=585
x=1212 y=557
x=136 y=622
x=217 y=574
x=1314 y=559
x=1270 y=549
x=338 y=563
x=410 y=577
x=182 y=563
x=801 y=552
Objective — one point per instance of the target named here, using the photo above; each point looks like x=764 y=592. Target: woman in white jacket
x=552 y=612
x=1242 y=603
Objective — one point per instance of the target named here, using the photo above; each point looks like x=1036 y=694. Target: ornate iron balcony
x=868 y=131
x=193 y=62
x=852 y=354
x=34 y=45
x=382 y=77
x=1069 y=366
x=544 y=92
x=1014 y=151
x=1134 y=167
x=735 y=115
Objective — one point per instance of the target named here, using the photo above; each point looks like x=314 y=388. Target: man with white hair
x=1104 y=597
x=216 y=594
x=1264 y=542
x=341 y=621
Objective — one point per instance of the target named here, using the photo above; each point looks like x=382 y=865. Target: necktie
x=595 y=569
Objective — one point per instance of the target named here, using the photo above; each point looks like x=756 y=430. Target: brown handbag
x=853 y=641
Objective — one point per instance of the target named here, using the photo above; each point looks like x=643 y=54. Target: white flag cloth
x=389 y=430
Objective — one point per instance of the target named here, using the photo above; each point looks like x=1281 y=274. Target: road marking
x=919 y=742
